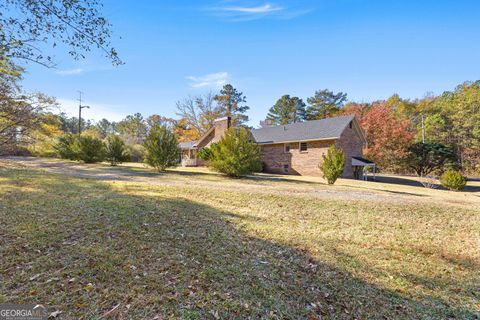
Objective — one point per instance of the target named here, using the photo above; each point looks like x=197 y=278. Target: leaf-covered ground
x=129 y=250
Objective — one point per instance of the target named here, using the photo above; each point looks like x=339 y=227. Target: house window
x=285 y=168
x=303 y=147
x=350 y=125
x=286 y=148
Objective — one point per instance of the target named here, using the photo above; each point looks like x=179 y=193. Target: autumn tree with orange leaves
x=388 y=133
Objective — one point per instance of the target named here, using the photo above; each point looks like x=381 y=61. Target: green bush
x=207 y=153
x=453 y=180
x=136 y=151
x=332 y=164
x=64 y=147
x=89 y=149
x=161 y=148
x=115 y=150
x=235 y=155
x=425 y=158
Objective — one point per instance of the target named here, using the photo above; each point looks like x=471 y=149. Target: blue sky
x=172 y=49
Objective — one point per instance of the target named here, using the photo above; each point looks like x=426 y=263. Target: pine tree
x=287 y=110
x=324 y=104
x=230 y=103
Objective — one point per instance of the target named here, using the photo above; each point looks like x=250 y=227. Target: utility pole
x=80 y=107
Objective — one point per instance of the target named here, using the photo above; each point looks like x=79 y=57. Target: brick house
x=295 y=148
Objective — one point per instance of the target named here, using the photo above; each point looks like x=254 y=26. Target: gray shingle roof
x=187 y=144
x=309 y=130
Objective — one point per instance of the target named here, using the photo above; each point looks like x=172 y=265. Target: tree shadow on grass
x=83 y=247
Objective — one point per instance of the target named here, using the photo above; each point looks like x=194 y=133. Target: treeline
x=29 y=124
x=394 y=126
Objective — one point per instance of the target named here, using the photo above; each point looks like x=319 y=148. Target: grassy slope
x=83 y=246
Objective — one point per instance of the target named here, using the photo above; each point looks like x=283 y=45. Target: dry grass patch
x=84 y=247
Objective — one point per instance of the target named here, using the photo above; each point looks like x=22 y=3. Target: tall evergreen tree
x=324 y=104
x=287 y=110
x=105 y=127
x=132 y=128
x=231 y=103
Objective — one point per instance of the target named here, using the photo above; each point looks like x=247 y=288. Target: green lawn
x=154 y=251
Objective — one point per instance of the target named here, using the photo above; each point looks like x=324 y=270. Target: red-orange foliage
x=388 y=133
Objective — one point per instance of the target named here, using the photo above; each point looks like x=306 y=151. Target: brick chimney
x=221 y=126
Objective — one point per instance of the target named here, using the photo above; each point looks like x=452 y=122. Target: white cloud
x=253 y=12
x=70 y=72
x=97 y=111
x=267 y=8
x=210 y=80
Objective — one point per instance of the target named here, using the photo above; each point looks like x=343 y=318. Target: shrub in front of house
x=207 y=153
x=332 y=164
x=161 y=148
x=115 y=150
x=89 y=149
x=453 y=180
x=64 y=147
x=235 y=154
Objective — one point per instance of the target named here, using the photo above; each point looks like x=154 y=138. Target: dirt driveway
x=388 y=189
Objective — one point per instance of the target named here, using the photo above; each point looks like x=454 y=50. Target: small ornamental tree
x=161 y=148
x=115 y=150
x=453 y=180
x=235 y=154
x=89 y=149
x=64 y=147
x=425 y=158
x=332 y=164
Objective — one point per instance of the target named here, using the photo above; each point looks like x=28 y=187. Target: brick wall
x=306 y=163
x=352 y=145
x=300 y=163
x=221 y=126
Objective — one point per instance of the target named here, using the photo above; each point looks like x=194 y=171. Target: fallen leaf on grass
x=89 y=287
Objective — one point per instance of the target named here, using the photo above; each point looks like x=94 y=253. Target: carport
x=360 y=166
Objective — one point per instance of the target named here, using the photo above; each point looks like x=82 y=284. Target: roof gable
x=330 y=128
